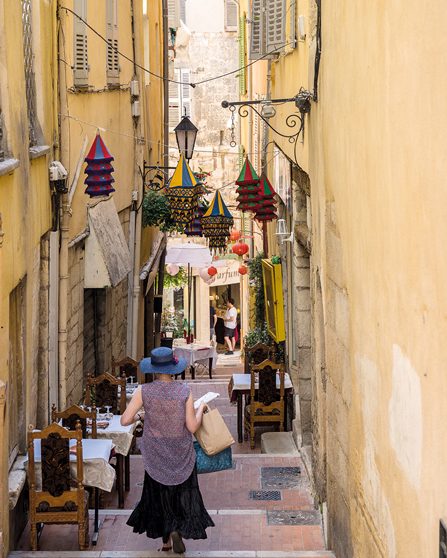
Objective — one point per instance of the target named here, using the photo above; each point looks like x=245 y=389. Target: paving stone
x=293 y=517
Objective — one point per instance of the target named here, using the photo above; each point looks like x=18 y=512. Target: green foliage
x=257 y=282
x=276 y=260
x=172 y=321
x=155 y=209
x=258 y=335
x=175 y=281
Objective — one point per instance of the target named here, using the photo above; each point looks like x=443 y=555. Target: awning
x=150 y=268
x=107 y=256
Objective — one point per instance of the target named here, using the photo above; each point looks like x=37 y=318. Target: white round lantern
x=172 y=269
x=204 y=274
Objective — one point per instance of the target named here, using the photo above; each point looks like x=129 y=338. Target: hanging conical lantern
x=183 y=194
x=216 y=223
x=266 y=208
x=99 y=170
x=247 y=190
x=195 y=227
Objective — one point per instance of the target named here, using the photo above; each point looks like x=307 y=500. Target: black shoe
x=178 y=545
x=229 y=352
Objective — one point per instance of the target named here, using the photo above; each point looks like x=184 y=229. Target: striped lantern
x=183 y=194
x=265 y=209
x=99 y=170
x=216 y=224
x=248 y=186
x=195 y=227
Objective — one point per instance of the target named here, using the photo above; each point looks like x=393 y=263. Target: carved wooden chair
x=127 y=366
x=256 y=354
x=267 y=404
x=58 y=497
x=74 y=414
x=106 y=390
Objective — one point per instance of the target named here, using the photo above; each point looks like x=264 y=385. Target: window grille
x=113 y=68
x=30 y=87
x=80 y=71
x=230 y=15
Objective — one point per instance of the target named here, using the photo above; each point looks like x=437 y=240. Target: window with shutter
x=242 y=55
x=292 y=25
x=275 y=24
x=230 y=15
x=113 y=69
x=80 y=72
x=174 y=101
x=183 y=10
x=28 y=59
x=185 y=92
x=257 y=29
x=256 y=142
x=174 y=13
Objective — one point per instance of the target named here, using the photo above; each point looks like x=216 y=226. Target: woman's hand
x=193 y=418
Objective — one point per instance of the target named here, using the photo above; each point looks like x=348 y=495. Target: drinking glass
x=109 y=415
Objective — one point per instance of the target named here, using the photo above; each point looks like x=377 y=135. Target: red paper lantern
x=212 y=271
x=243 y=270
x=240 y=248
x=235 y=235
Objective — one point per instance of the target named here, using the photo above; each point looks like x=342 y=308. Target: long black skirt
x=164 y=509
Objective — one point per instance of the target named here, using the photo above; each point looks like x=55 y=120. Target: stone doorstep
x=16 y=480
x=278 y=443
x=190 y=554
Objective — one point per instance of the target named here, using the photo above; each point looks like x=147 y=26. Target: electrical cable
x=191 y=84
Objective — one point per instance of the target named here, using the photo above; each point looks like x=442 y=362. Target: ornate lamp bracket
x=294 y=121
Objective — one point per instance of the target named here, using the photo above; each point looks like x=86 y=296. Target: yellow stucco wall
x=24 y=193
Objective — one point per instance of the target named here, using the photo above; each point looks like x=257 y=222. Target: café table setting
x=194 y=352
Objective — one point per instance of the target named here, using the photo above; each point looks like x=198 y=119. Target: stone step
x=190 y=554
x=274 y=443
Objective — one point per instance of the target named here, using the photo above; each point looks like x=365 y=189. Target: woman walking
x=171 y=506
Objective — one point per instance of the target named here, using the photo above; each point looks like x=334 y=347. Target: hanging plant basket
x=155 y=209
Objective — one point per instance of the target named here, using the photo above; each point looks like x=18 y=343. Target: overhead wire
x=191 y=84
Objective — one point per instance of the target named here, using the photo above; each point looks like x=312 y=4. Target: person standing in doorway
x=230 y=326
x=213 y=321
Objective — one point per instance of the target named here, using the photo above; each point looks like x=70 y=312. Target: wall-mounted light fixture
x=282 y=232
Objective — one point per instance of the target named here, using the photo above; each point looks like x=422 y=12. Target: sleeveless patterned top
x=166 y=445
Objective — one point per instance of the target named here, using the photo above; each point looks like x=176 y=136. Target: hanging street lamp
x=186 y=133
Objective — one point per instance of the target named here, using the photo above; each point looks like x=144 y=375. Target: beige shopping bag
x=213 y=434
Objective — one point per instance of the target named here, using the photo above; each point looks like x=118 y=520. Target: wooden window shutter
x=174 y=13
x=174 y=101
x=292 y=38
x=275 y=24
x=113 y=69
x=230 y=15
x=242 y=55
x=80 y=72
x=185 y=77
x=257 y=29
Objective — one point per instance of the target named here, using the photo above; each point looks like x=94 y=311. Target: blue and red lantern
x=99 y=170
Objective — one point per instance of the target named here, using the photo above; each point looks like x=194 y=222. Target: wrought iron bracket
x=157 y=183
x=294 y=121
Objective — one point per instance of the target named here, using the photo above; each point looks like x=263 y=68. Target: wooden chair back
x=59 y=498
x=266 y=397
x=107 y=390
x=127 y=366
x=74 y=414
x=255 y=355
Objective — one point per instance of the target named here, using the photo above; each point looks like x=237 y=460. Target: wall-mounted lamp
x=282 y=232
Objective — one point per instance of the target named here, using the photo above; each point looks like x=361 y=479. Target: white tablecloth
x=194 y=352
x=243 y=381
x=95 y=455
x=121 y=436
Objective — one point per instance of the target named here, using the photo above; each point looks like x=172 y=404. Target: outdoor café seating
x=74 y=414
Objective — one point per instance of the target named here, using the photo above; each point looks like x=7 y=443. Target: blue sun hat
x=162 y=361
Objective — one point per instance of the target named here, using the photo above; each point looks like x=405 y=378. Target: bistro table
x=240 y=384
x=121 y=437
x=98 y=473
x=196 y=351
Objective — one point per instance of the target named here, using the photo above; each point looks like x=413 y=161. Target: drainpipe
x=135 y=215
x=265 y=140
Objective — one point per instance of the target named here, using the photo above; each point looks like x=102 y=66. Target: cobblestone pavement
x=244 y=527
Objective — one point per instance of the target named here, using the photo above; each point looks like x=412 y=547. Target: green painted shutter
x=242 y=55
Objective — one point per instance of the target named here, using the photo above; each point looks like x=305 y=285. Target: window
x=174 y=14
x=242 y=55
x=30 y=85
x=230 y=15
x=179 y=97
x=17 y=376
x=268 y=27
x=113 y=69
x=80 y=72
